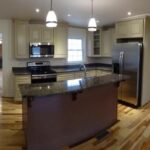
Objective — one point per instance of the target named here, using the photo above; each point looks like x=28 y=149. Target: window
x=75 y=50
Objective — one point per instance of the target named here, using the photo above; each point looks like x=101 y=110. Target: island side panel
x=66 y=119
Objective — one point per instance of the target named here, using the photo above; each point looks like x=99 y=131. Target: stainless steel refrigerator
x=127 y=60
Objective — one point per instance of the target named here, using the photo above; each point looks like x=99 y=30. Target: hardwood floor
x=132 y=132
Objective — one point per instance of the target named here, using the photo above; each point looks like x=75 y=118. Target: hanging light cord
x=51 y=5
x=92 y=8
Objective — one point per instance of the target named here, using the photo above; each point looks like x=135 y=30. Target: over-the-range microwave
x=41 y=50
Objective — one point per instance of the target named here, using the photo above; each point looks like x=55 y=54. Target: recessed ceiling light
x=37 y=10
x=129 y=13
x=69 y=15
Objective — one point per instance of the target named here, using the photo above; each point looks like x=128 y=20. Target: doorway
x=1 y=60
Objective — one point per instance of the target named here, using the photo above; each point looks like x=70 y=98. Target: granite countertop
x=64 y=69
x=20 y=71
x=76 y=85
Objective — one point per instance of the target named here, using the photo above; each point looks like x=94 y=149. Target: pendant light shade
x=51 y=19
x=92 y=26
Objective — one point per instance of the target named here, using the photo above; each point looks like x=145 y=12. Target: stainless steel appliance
x=127 y=60
x=41 y=50
x=41 y=72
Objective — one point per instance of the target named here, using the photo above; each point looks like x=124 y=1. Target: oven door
x=43 y=78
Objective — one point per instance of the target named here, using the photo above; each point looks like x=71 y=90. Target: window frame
x=77 y=61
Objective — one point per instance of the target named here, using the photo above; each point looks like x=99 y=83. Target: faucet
x=84 y=69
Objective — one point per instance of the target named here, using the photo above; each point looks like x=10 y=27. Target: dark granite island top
x=66 y=113
x=45 y=89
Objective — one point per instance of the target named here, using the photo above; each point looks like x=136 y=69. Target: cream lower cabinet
x=65 y=76
x=105 y=73
x=91 y=73
x=20 y=79
x=79 y=74
x=102 y=72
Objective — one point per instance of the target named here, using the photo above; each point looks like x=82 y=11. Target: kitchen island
x=65 y=113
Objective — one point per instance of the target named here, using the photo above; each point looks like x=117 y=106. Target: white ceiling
x=106 y=11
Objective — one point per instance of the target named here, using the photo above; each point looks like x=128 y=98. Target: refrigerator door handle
x=121 y=60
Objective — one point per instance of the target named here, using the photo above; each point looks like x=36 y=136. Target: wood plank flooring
x=132 y=132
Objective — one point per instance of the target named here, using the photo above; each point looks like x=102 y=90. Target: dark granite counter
x=68 y=70
x=76 y=85
x=20 y=71
x=65 y=69
x=76 y=68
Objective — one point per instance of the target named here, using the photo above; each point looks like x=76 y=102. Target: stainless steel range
x=41 y=72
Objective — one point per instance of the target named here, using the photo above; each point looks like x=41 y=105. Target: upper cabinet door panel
x=47 y=35
x=35 y=33
x=130 y=29
x=94 y=43
x=21 y=29
x=61 y=41
x=41 y=33
x=107 y=41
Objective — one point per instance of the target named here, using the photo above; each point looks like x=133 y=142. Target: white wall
x=8 y=57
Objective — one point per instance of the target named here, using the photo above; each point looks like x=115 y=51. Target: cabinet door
x=21 y=39
x=130 y=29
x=107 y=41
x=102 y=72
x=35 y=33
x=61 y=41
x=98 y=73
x=47 y=35
x=94 y=43
x=20 y=79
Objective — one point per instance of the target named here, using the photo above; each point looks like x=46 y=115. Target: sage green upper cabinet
x=130 y=28
x=94 y=43
x=40 y=33
x=107 y=41
x=21 y=39
x=61 y=40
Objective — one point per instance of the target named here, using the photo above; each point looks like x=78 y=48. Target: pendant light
x=51 y=19
x=92 y=22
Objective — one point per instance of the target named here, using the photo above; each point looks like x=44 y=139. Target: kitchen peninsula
x=65 y=113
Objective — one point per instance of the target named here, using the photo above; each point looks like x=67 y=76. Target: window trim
x=75 y=50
